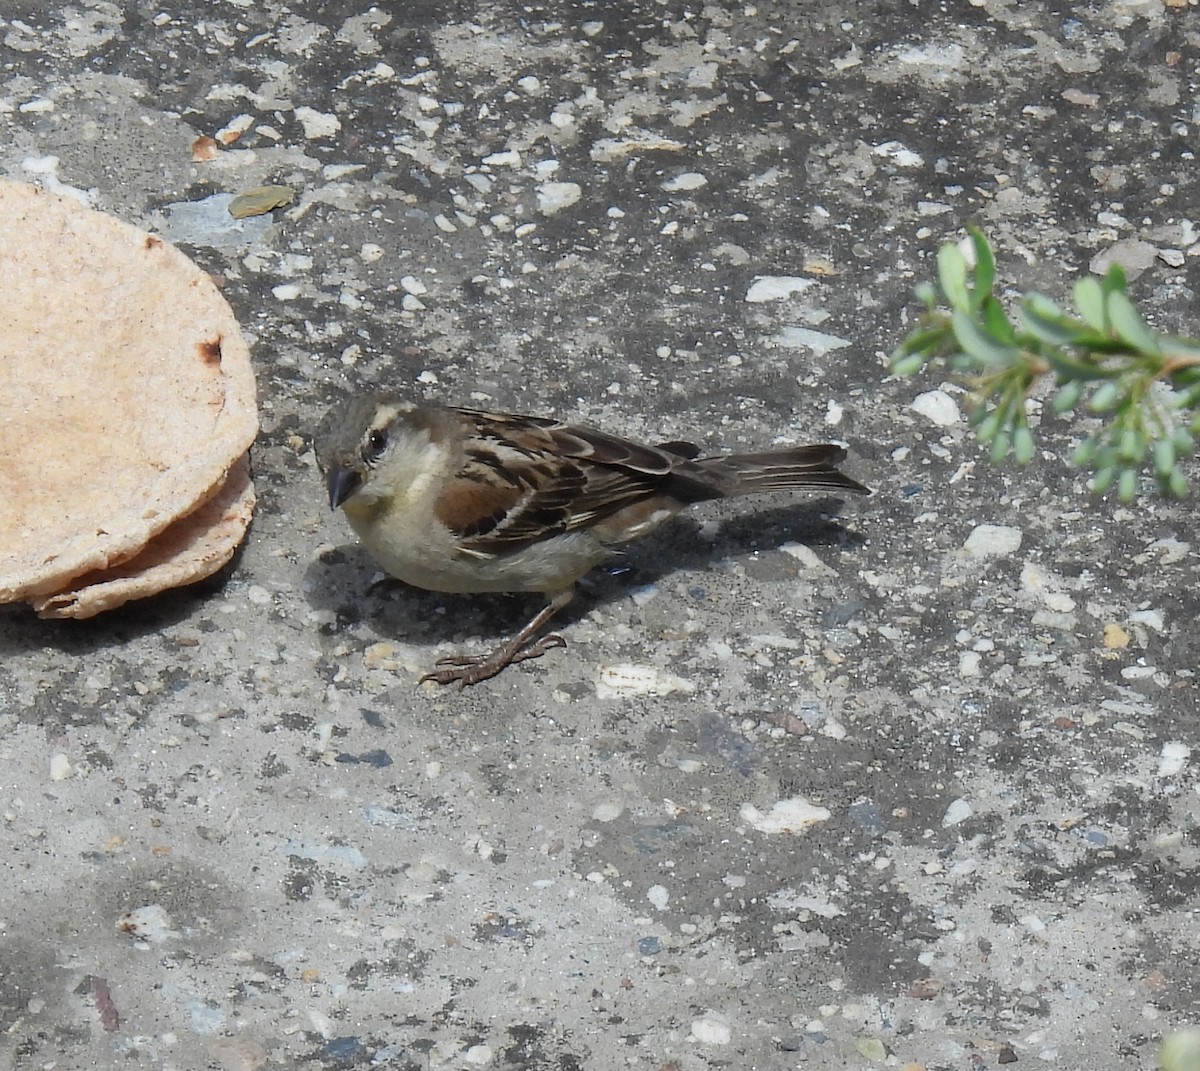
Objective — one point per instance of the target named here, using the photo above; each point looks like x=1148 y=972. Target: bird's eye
x=374 y=444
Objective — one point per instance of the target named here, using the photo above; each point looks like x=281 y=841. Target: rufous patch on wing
x=471 y=509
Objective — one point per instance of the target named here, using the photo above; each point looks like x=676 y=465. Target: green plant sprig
x=1104 y=357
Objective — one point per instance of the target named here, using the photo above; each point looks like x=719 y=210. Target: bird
x=469 y=501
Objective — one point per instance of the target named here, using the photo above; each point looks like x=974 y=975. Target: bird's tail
x=780 y=470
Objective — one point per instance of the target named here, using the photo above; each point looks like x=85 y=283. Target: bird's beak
x=342 y=483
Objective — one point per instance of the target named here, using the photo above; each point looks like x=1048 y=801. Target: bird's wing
x=525 y=479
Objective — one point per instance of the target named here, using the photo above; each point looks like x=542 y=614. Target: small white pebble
x=478 y=1056
x=317 y=124
x=286 y=291
x=992 y=541
x=60 y=767
x=899 y=154
x=833 y=729
x=150 y=923
x=607 y=812
x=689 y=180
x=644 y=594
x=959 y=811
x=807 y=557
x=658 y=896
x=1150 y=618
x=795 y=815
x=1175 y=756
x=776 y=287
x=968 y=663
x=553 y=197
x=937 y=407
x=709 y=1030
x=508 y=158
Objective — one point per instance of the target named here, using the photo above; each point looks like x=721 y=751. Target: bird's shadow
x=344 y=580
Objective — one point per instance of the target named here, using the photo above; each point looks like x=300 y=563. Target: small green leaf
x=1132 y=445
x=1189 y=398
x=1180 y=349
x=952 y=276
x=1105 y=397
x=1047 y=322
x=985 y=268
x=996 y=321
x=1178 y=486
x=926 y=294
x=1073 y=368
x=980 y=345
x=988 y=426
x=907 y=364
x=1001 y=444
x=1103 y=479
x=1089 y=303
x=1182 y=376
x=1068 y=396
x=1164 y=457
x=1127 y=485
x=1113 y=281
x=1084 y=452
x=1023 y=445
x=1044 y=306
x=1130 y=328
x=927 y=337
x=1183 y=441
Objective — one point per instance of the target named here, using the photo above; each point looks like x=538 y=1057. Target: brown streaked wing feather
x=812 y=466
x=534 y=478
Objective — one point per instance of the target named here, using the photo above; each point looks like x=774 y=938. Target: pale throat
x=404 y=478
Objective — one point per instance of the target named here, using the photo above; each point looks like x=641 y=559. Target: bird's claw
x=471 y=669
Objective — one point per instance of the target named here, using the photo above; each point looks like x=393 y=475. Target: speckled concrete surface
x=236 y=834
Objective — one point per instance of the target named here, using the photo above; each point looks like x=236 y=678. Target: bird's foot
x=471 y=669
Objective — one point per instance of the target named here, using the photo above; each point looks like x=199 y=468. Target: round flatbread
x=192 y=548
x=127 y=390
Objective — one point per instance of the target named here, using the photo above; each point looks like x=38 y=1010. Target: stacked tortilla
x=127 y=407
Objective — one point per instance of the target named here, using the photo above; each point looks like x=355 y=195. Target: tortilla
x=127 y=391
x=192 y=548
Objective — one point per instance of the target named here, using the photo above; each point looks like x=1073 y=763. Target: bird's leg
x=471 y=669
